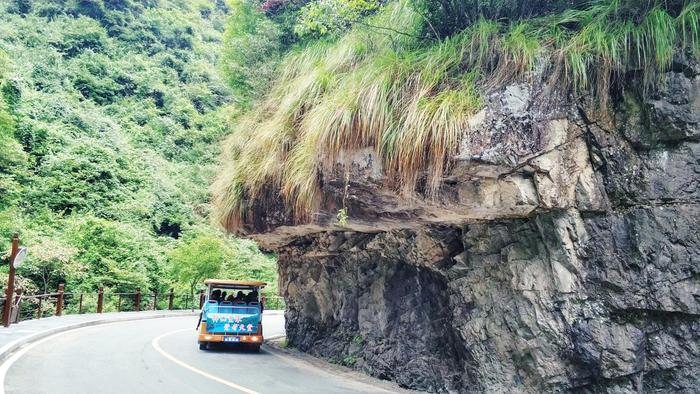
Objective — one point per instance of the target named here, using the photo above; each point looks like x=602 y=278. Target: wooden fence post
x=171 y=295
x=80 y=305
x=10 y=291
x=18 y=307
x=155 y=301
x=137 y=300
x=100 y=299
x=59 y=299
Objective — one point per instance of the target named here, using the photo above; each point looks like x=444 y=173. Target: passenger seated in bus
x=252 y=296
x=239 y=297
x=230 y=298
x=223 y=297
x=215 y=296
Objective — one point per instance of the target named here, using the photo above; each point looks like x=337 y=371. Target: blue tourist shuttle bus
x=232 y=313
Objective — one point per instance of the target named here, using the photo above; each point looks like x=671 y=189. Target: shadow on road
x=232 y=348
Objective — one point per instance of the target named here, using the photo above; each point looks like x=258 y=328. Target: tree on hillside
x=111 y=254
x=49 y=264
x=197 y=259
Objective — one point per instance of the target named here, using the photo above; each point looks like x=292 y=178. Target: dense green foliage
x=320 y=18
x=406 y=79
x=259 y=32
x=255 y=46
x=447 y=17
x=110 y=117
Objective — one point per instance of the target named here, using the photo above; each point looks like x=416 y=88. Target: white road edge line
x=21 y=352
x=156 y=345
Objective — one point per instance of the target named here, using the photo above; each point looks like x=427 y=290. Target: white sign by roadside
x=21 y=256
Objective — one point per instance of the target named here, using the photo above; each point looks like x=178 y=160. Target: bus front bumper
x=211 y=338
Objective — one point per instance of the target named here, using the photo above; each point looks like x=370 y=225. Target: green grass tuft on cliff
x=385 y=85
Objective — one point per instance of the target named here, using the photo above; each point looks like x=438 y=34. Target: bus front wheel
x=202 y=346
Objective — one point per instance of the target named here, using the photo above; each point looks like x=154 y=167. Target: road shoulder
x=276 y=347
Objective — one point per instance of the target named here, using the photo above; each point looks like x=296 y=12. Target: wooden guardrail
x=36 y=306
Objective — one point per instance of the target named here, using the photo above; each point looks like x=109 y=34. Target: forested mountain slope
x=110 y=119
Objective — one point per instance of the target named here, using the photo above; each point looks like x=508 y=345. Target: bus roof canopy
x=228 y=282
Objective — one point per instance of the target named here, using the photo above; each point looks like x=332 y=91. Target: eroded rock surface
x=561 y=254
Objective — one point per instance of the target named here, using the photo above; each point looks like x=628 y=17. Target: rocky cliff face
x=562 y=252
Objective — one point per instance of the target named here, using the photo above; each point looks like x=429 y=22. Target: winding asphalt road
x=161 y=356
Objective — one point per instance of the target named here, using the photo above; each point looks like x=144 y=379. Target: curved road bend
x=162 y=356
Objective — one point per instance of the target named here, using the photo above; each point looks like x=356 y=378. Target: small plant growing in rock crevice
x=358 y=340
x=349 y=361
x=342 y=216
x=343 y=212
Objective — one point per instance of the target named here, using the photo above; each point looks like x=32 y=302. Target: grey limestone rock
x=562 y=253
